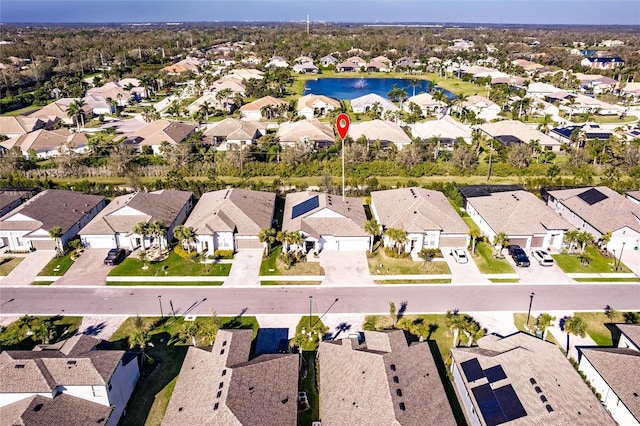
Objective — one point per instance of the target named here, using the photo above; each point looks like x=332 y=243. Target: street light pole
x=325 y=312
x=620 y=257
x=160 y=301
x=310 y=301
x=529 y=312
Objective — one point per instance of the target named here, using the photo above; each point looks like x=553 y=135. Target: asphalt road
x=38 y=300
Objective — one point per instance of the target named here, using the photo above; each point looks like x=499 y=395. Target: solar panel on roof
x=509 y=402
x=488 y=404
x=596 y=135
x=507 y=140
x=305 y=207
x=472 y=370
x=592 y=196
x=495 y=374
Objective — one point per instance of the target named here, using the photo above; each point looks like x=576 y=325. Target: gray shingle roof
x=55 y=208
x=632 y=331
x=517 y=213
x=64 y=409
x=385 y=131
x=164 y=205
x=223 y=387
x=417 y=210
x=348 y=219
x=529 y=362
x=613 y=213
x=241 y=210
x=620 y=368
x=365 y=384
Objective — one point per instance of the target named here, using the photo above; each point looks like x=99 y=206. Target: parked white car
x=543 y=258
x=459 y=255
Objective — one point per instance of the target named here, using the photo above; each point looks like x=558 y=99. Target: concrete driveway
x=88 y=269
x=26 y=271
x=245 y=269
x=539 y=274
x=464 y=272
x=345 y=268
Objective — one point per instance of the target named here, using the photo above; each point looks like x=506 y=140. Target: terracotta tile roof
x=63 y=409
x=160 y=131
x=517 y=213
x=620 y=368
x=529 y=364
x=347 y=217
x=242 y=211
x=265 y=101
x=54 y=208
x=233 y=390
x=46 y=140
x=612 y=213
x=417 y=210
x=20 y=124
x=125 y=211
x=366 y=384
x=234 y=129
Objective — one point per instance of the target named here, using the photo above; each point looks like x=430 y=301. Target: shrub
x=223 y=254
x=184 y=253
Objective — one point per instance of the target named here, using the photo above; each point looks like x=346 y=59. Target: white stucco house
x=231 y=219
x=312 y=105
x=327 y=222
x=90 y=382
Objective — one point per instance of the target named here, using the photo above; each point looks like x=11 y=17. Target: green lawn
x=392 y=266
x=487 y=264
x=22 y=111
x=153 y=391
x=57 y=267
x=309 y=385
x=598 y=326
x=278 y=283
x=504 y=280
x=14 y=336
x=8 y=264
x=310 y=322
x=173 y=283
x=269 y=266
x=520 y=318
x=173 y=266
x=470 y=223
x=570 y=263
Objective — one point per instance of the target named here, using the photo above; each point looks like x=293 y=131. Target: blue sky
x=592 y=12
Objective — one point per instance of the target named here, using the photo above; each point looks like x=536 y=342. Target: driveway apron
x=27 y=270
x=245 y=269
x=345 y=268
x=88 y=269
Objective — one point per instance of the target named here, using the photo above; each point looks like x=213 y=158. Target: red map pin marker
x=342 y=124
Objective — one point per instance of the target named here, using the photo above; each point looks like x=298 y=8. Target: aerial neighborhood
x=192 y=233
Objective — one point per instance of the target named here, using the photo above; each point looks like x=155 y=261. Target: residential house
x=522 y=216
x=12 y=126
x=251 y=60
x=427 y=103
x=327 y=61
x=231 y=131
x=347 y=66
x=363 y=104
x=425 y=215
x=522 y=380
x=57 y=111
x=303 y=59
x=212 y=101
x=278 y=62
x=482 y=107
x=311 y=133
x=8 y=202
x=634 y=196
x=510 y=132
x=602 y=63
x=227 y=83
x=631 y=90
x=224 y=61
x=120 y=94
x=256 y=110
x=114 y=226
x=312 y=105
x=386 y=132
x=382 y=380
x=306 y=68
x=629 y=336
x=596 y=83
x=406 y=63
x=357 y=60
x=47 y=143
x=383 y=59
x=231 y=219
x=542 y=90
x=600 y=210
x=159 y=132
x=67 y=378
x=588 y=131
x=186 y=65
x=246 y=74
x=225 y=386
x=447 y=130
x=327 y=222
x=541 y=107
x=377 y=66
x=27 y=227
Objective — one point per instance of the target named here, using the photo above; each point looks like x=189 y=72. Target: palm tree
x=500 y=240
x=474 y=233
x=545 y=124
x=190 y=331
x=285 y=238
x=572 y=238
x=297 y=341
x=455 y=323
x=584 y=238
x=543 y=322
x=157 y=229
x=297 y=239
x=150 y=114
x=398 y=236
x=56 y=233
x=472 y=330
x=185 y=235
x=142 y=229
x=372 y=228
x=576 y=326
x=75 y=110
x=267 y=236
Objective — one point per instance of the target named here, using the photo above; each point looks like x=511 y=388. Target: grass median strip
x=591 y=261
x=58 y=266
x=285 y=283
x=488 y=264
x=173 y=266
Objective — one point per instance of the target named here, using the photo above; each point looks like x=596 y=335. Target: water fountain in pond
x=360 y=84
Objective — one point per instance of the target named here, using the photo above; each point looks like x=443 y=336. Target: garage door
x=353 y=244
x=453 y=241
x=242 y=243
x=522 y=242
x=101 y=241
x=44 y=244
x=537 y=241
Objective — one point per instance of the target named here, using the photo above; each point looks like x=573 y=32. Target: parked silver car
x=543 y=258
x=459 y=255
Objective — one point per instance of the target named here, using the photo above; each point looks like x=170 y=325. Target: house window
x=430 y=239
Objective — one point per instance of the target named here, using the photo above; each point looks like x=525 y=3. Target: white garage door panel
x=242 y=243
x=100 y=241
x=457 y=241
x=353 y=244
x=44 y=244
x=522 y=242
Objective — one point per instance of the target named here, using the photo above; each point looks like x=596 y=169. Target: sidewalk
x=27 y=270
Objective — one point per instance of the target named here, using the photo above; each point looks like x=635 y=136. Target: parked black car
x=115 y=256
x=519 y=256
